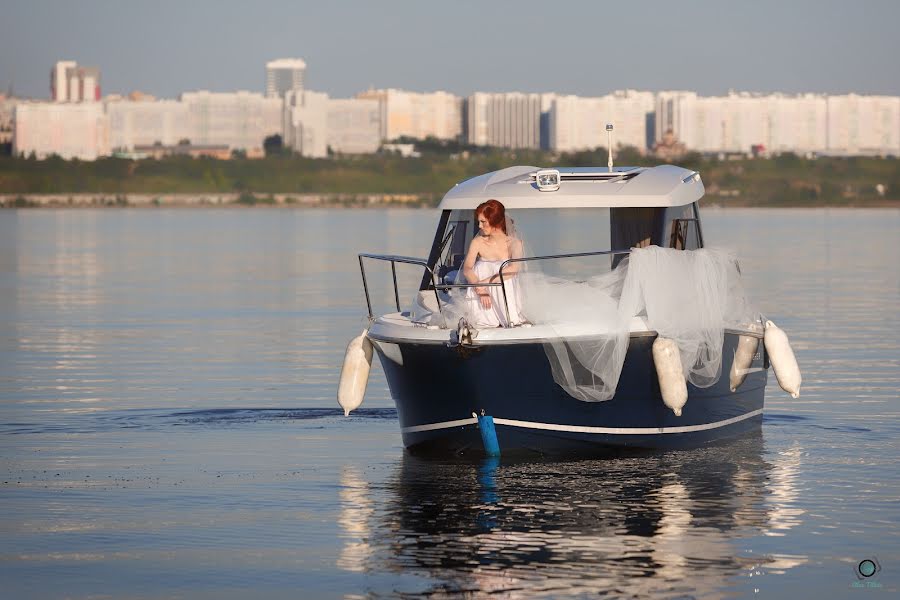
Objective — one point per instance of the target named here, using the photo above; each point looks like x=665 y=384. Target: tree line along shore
x=391 y=180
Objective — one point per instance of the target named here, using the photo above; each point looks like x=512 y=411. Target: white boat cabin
x=574 y=210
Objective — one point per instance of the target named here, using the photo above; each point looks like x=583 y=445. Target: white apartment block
x=578 y=123
x=68 y=130
x=354 y=126
x=796 y=123
x=71 y=83
x=315 y=123
x=806 y=123
x=507 y=120
x=284 y=75
x=417 y=115
x=305 y=123
x=146 y=123
x=863 y=124
x=239 y=120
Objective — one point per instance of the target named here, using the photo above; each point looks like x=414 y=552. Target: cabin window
x=668 y=227
x=546 y=231
x=634 y=227
x=682 y=228
x=454 y=242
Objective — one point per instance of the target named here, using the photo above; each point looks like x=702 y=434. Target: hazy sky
x=166 y=47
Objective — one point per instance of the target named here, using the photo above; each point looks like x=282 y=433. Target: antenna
x=609 y=129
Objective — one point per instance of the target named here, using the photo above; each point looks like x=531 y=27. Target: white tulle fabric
x=587 y=338
x=687 y=296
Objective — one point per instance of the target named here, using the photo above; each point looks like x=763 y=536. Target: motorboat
x=464 y=390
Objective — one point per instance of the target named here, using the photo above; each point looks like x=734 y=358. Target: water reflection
x=355 y=515
x=58 y=279
x=784 y=496
x=487 y=485
x=648 y=525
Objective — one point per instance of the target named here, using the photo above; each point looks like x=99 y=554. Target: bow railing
x=446 y=287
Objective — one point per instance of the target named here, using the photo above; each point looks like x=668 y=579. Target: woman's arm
x=469 y=272
x=468 y=268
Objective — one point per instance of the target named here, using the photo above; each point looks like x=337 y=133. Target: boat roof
x=580 y=187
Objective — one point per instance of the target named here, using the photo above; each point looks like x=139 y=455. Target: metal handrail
x=508 y=261
x=394 y=259
x=549 y=257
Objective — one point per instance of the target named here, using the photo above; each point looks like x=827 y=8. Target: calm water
x=168 y=427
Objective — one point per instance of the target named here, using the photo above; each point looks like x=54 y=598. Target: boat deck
x=397 y=327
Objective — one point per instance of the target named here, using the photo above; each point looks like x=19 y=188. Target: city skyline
x=314 y=125
x=805 y=47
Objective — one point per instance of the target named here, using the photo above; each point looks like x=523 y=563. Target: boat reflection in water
x=674 y=523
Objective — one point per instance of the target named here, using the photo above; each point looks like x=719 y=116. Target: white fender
x=355 y=373
x=671 y=376
x=782 y=358
x=743 y=358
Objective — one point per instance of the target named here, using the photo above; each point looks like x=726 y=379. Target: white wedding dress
x=495 y=316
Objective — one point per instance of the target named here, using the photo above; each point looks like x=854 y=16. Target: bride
x=487 y=251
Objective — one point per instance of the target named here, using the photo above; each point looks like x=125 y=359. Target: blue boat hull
x=438 y=388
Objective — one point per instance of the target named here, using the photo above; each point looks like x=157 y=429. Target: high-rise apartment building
x=71 y=83
x=284 y=75
x=733 y=123
x=71 y=130
x=863 y=124
x=240 y=120
x=507 y=120
x=315 y=124
x=354 y=125
x=59 y=80
x=147 y=123
x=578 y=123
x=306 y=123
x=417 y=115
x=796 y=123
x=804 y=123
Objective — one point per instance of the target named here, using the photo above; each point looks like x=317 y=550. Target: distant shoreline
x=380 y=180
x=288 y=200
x=237 y=200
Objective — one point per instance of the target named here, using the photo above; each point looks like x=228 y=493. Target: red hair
x=494 y=213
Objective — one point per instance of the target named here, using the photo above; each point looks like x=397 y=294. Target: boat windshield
x=560 y=231
x=543 y=232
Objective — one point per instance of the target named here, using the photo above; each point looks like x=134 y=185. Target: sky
x=167 y=47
